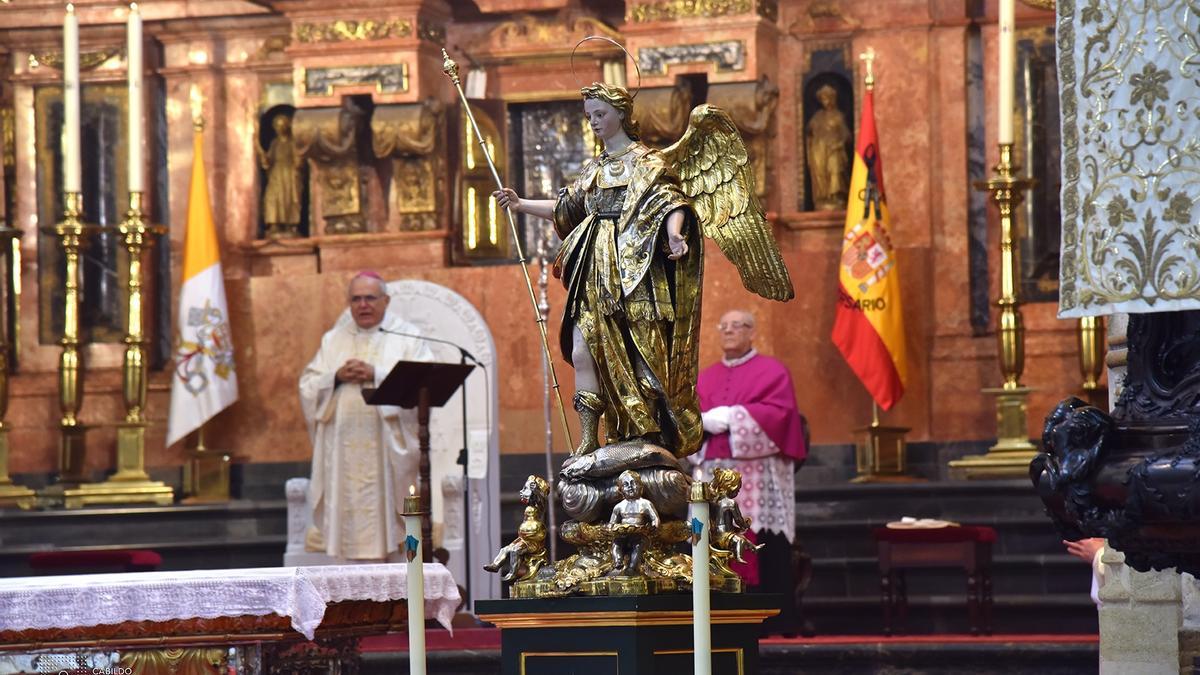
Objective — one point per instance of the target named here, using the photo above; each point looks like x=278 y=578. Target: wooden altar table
x=273 y=610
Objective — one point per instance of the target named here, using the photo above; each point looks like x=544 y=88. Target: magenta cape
x=763 y=387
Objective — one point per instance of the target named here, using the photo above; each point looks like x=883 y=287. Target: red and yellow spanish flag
x=205 y=381
x=869 y=328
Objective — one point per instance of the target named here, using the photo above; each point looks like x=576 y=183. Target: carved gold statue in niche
x=631 y=262
x=827 y=146
x=281 y=196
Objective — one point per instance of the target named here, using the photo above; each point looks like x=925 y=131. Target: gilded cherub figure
x=525 y=555
x=729 y=525
x=633 y=519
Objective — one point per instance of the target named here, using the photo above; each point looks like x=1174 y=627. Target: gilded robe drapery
x=636 y=309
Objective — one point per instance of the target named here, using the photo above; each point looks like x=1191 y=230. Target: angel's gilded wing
x=715 y=173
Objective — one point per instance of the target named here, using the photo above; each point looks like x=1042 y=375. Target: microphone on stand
x=462 y=455
x=466 y=355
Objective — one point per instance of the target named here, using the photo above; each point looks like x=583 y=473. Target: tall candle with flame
x=416 y=581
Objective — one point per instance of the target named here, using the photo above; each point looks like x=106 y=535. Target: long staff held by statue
x=451 y=69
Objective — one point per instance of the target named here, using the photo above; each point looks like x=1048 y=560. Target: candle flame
x=412 y=490
x=70 y=8
x=133 y=7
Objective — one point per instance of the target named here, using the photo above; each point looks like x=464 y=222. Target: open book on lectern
x=402 y=386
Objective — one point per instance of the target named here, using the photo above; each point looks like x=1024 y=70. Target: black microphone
x=466 y=354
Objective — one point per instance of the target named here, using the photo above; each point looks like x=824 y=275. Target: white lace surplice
x=298 y=592
x=768 y=478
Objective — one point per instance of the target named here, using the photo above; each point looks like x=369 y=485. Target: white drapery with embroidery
x=301 y=593
x=1128 y=76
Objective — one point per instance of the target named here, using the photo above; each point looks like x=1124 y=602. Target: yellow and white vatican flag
x=205 y=380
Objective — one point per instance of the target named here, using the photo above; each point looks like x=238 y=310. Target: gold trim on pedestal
x=622 y=618
x=11 y=494
x=131 y=484
x=1013 y=451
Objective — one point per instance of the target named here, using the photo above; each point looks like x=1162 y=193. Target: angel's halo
x=618 y=44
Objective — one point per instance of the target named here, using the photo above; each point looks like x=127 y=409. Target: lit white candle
x=136 y=120
x=701 y=612
x=415 y=599
x=72 y=174
x=1008 y=64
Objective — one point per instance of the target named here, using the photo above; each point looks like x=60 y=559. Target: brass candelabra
x=130 y=483
x=1013 y=451
x=11 y=494
x=71 y=477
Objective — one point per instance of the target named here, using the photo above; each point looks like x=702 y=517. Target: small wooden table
x=967 y=547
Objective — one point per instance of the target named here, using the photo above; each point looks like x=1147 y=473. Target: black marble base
x=628 y=635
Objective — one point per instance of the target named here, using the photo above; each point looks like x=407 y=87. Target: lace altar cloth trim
x=300 y=593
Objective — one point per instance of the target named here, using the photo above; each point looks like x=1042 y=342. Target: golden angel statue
x=631 y=260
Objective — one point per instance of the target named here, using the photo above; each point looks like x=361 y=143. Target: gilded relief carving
x=178 y=661
x=752 y=106
x=528 y=30
x=328 y=139
x=87 y=60
x=410 y=135
x=348 y=30
x=1130 y=242
x=671 y=10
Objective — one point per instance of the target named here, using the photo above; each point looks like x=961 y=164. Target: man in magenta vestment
x=751 y=425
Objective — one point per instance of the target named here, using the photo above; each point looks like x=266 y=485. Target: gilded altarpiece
x=1131 y=157
x=412 y=138
x=332 y=141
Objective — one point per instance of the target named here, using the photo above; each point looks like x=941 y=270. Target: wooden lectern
x=421 y=385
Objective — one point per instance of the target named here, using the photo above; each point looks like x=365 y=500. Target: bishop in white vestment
x=364 y=457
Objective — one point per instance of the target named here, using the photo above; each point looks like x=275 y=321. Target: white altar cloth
x=300 y=593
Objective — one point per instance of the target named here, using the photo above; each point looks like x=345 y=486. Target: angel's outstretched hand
x=508 y=199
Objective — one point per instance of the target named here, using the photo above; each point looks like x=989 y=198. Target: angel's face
x=604 y=119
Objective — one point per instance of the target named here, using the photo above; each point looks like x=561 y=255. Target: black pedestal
x=627 y=635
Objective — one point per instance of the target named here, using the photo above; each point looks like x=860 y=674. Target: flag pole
x=206 y=476
x=880 y=451
x=451 y=69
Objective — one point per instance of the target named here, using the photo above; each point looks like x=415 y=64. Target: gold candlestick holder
x=72 y=443
x=11 y=494
x=130 y=484
x=1010 y=456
